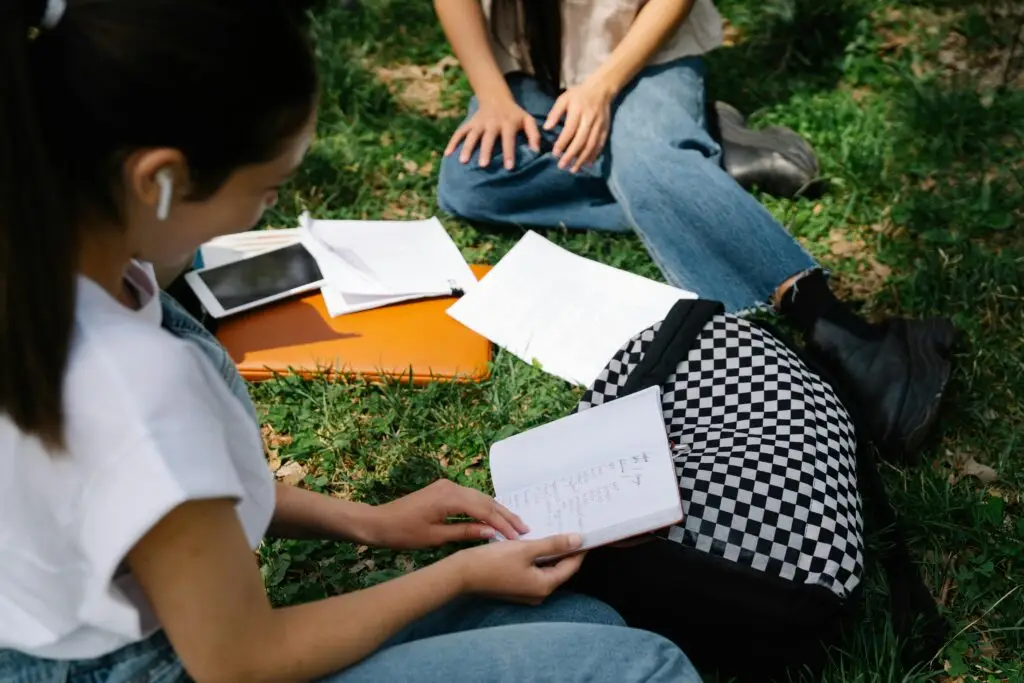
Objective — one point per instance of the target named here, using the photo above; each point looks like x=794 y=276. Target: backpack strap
x=672 y=342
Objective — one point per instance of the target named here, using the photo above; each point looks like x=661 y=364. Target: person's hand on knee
x=494 y=122
x=587 y=111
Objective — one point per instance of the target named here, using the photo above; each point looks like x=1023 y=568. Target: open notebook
x=606 y=473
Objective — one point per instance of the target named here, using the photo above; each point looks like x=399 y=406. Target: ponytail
x=37 y=242
x=102 y=79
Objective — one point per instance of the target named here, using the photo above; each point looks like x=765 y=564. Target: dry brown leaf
x=272 y=439
x=964 y=465
x=291 y=473
x=984 y=473
x=273 y=461
x=359 y=566
x=841 y=245
x=731 y=34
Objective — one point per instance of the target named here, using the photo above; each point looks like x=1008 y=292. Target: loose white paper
x=368 y=264
x=606 y=473
x=564 y=312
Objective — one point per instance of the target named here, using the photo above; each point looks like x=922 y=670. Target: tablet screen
x=261 y=277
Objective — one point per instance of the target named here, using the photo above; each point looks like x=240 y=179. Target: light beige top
x=591 y=29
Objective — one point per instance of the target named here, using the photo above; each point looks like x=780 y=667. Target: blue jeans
x=660 y=175
x=568 y=638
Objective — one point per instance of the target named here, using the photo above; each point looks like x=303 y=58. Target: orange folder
x=414 y=341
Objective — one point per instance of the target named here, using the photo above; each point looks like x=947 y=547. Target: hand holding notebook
x=606 y=473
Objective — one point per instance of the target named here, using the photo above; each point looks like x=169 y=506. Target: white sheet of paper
x=569 y=314
x=387 y=258
x=227 y=249
x=606 y=473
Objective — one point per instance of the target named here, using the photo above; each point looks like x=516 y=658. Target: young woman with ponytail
x=134 y=487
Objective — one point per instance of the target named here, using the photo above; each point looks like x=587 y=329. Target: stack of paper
x=368 y=264
x=227 y=249
x=566 y=313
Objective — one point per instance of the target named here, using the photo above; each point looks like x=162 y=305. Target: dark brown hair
x=226 y=82
x=539 y=24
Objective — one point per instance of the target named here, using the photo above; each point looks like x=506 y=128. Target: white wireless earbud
x=165 y=179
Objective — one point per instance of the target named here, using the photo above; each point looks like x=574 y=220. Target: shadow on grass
x=788 y=47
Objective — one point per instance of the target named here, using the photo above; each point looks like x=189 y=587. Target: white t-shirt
x=150 y=424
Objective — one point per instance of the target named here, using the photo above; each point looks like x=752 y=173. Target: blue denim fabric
x=568 y=638
x=659 y=175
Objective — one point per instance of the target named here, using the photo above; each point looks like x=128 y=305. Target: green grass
x=920 y=137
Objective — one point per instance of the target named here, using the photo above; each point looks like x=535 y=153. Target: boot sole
x=930 y=345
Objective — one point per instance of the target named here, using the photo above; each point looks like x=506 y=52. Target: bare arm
x=197 y=571
x=656 y=21
x=305 y=514
x=465 y=26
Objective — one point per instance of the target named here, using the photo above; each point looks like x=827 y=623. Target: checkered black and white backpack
x=767 y=564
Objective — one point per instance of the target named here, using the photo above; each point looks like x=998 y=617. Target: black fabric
x=811 y=298
x=677 y=335
x=741 y=624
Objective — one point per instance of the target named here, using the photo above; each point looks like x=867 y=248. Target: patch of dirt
x=406 y=206
x=869 y=274
x=420 y=87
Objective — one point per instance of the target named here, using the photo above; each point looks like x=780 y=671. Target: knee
x=467 y=191
x=581 y=609
x=454 y=186
x=661 y=659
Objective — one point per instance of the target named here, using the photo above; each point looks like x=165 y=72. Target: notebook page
x=569 y=314
x=606 y=473
x=392 y=257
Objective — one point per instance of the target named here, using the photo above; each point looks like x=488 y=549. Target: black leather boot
x=774 y=159
x=898 y=376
